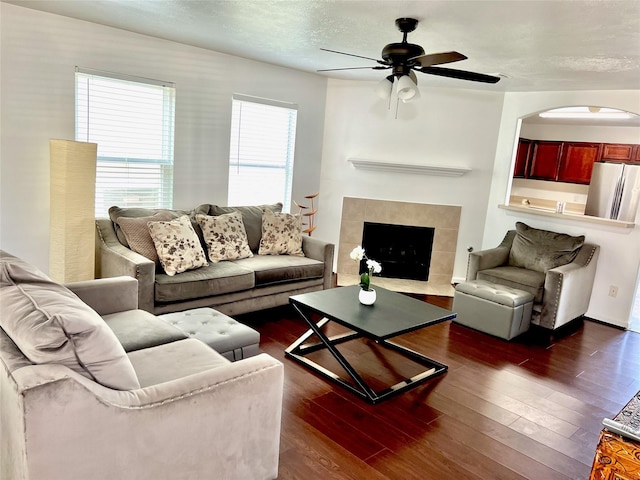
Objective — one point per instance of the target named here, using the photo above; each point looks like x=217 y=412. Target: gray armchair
x=556 y=268
x=173 y=409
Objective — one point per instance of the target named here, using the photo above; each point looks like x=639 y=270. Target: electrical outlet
x=613 y=291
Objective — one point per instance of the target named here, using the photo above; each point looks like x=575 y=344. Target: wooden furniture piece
x=310 y=215
x=617 y=457
x=393 y=314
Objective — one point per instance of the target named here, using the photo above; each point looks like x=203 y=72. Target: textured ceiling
x=538 y=45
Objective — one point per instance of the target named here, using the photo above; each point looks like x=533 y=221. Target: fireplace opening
x=403 y=251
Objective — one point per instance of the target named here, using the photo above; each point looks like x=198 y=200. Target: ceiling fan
x=404 y=58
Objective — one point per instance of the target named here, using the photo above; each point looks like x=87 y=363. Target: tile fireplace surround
x=445 y=219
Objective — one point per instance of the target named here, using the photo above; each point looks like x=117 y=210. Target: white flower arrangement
x=357 y=255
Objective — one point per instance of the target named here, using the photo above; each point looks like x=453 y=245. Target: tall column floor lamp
x=72 y=204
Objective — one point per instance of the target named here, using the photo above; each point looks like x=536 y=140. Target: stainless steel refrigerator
x=614 y=191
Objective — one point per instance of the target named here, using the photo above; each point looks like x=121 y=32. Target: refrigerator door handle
x=617 y=197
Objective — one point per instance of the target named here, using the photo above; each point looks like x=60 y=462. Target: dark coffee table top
x=393 y=313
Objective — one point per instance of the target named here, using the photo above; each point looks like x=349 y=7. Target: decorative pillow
x=177 y=245
x=136 y=231
x=542 y=250
x=225 y=236
x=51 y=325
x=281 y=234
x=251 y=217
x=116 y=213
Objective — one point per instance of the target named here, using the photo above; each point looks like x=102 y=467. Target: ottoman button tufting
x=228 y=337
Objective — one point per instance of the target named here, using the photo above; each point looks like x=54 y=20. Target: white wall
x=620 y=248
x=445 y=127
x=39 y=53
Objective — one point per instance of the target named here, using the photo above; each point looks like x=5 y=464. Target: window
x=263 y=137
x=131 y=120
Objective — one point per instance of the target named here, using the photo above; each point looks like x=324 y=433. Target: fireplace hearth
x=404 y=251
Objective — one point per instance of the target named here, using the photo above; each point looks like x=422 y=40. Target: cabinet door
x=576 y=163
x=522 y=157
x=617 y=151
x=636 y=154
x=546 y=160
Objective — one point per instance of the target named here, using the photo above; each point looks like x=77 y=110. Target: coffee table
x=393 y=314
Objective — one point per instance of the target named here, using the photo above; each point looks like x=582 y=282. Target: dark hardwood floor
x=504 y=410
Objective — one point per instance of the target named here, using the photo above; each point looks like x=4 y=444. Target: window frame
x=235 y=160
x=130 y=174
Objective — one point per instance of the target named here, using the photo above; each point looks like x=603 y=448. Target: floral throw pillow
x=177 y=245
x=281 y=234
x=225 y=236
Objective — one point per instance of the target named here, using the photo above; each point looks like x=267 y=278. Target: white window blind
x=132 y=121
x=263 y=137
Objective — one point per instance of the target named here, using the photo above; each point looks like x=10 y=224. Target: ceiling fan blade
x=460 y=74
x=438 y=58
x=352 y=68
x=352 y=55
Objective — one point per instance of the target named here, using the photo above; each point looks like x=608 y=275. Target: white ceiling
x=539 y=45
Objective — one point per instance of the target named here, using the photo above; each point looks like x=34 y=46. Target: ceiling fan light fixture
x=385 y=87
x=407 y=89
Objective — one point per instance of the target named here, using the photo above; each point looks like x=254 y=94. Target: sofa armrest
x=485 y=259
x=567 y=289
x=114 y=260
x=108 y=295
x=224 y=420
x=322 y=251
x=491 y=258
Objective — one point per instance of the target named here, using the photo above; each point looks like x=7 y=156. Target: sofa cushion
x=251 y=217
x=51 y=325
x=281 y=234
x=177 y=245
x=271 y=269
x=214 y=279
x=530 y=281
x=225 y=236
x=542 y=250
x=116 y=212
x=174 y=360
x=138 y=329
x=136 y=232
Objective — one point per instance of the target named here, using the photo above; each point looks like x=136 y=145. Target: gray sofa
x=231 y=287
x=93 y=388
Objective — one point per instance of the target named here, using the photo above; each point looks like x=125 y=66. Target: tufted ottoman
x=494 y=309
x=229 y=338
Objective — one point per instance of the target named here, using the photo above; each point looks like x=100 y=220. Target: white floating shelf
x=409 y=167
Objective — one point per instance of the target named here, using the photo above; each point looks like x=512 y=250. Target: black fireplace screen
x=403 y=251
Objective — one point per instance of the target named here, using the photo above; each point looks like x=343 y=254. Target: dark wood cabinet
x=523 y=156
x=618 y=458
x=576 y=162
x=545 y=160
x=570 y=162
x=617 y=151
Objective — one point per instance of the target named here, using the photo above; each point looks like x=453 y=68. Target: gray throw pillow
x=136 y=231
x=115 y=213
x=542 y=250
x=51 y=325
